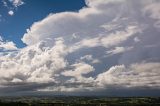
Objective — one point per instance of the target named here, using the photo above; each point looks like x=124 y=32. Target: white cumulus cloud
x=66 y=52
x=135 y=75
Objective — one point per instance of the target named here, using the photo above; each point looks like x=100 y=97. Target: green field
x=79 y=101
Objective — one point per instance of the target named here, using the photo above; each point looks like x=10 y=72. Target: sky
x=80 y=47
x=27 y=12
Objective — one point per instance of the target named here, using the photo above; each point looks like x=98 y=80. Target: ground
x=79 y=101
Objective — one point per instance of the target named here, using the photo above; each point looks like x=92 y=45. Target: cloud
x=80 y=70
x=94 y=3
x=85 y=22
x=136 y=75
x=136 y=39
x=89 y=58
x=109 y=40
x=66 y=52
x=153 y=11
x=36 y=63
x=118 y=50
x=16 y=3
x=12 y=5
x=7 y=45
x=10 y=12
